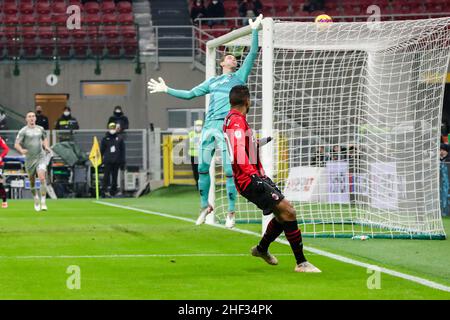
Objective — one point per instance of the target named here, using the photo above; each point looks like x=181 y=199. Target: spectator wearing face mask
x=197 y=11
x=112 y=149
x=215 y=10
x=119 y=119
x=41 y=119
x=67 y=123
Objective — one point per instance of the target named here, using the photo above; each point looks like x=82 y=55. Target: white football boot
x=203 y=213
x=37 y=204
x=230 y=221
x=306 y=267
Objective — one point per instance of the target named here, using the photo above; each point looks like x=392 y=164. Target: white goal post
x=355 y=110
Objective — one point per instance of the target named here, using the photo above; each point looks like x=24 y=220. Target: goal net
x=355 y=112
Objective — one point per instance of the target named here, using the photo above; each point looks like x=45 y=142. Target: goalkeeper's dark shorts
x=265 y=195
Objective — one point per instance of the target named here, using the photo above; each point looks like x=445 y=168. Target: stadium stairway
x=172 y=13
x=142 y=16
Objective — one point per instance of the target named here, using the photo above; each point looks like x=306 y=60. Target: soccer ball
x=323 y=18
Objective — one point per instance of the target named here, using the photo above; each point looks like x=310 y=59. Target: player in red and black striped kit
x=255 y=186
x=5 y=149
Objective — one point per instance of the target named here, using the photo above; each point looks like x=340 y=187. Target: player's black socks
x=2 y=192
x=274 y=229
x=294 y=236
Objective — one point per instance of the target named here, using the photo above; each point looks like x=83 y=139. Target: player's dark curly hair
x=239 y=96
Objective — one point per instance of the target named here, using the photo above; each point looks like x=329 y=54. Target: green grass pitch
x=125 y=254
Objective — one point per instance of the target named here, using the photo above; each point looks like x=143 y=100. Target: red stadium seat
x=10 y=19
x=97 y=48
x=93 y=32
x=124 y=7
x=30 y=49
x=63 y=48
x=10 y=8
x=128 y=31
x=113 y=48
x=13 y=49
x=63 y=32
x=26 y=8
x=27 y=19
x=80 y=48
x=29 y=32
x=43 y=8
x=47 y=49
x=44 y=20
x=130 y=47
x=10 y=33
x=45 y=32
x=79 y=33
x=92 y=7
x=92 y=19
x=108 y=6
x=60 y=19
x=110 y=32
x=109 y=18
x=59 y=8
x=125 y=18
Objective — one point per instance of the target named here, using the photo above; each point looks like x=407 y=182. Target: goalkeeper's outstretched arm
x=247 y=65
x=160 y=86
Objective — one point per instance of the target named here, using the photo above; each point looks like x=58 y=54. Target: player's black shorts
x=264 y=195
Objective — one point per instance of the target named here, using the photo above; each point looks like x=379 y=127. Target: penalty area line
x=421 y=281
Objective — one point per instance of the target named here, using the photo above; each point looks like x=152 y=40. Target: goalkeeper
x=219 y=87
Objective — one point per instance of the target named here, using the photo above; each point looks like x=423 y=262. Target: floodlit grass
x=124 y=254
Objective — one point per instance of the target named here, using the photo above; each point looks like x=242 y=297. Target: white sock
x=42 y=199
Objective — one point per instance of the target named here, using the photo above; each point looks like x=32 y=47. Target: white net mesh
x=356 y=120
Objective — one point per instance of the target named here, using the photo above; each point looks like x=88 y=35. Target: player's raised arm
x=160 y=86
x=247 y=65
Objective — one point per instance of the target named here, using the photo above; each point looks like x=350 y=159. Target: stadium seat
x=43 y=8
x=93 y=32
x=27 y=19
x=97 y=48
x=80 y=48
x=130 y=47
x=29 y=32
x=26 y=8
x=63 y=48
x=59 y=8
x=10 y=32
x=12 y=49
x=92 y=7
x=125 y=18
x=47 y=49
x=10 y=19
x=113 y=48
x=29 y=49
x=80 y=33
x=128 y=31
x=92 y=19
x=64 y=33
x=109 y=18
x=60 y=19
x=110 y=32
x=10 y=8
x=45 y=32
x=108 y=7
x=124 y=7
x=44 y=20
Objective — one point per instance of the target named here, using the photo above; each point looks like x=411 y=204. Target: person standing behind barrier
x=119 y=119
x=194 y=144
x=41 y=119
x=66 y=122
x=112 y=149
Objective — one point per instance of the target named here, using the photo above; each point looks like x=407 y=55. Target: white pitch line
x=424 y=282
x=118 y=256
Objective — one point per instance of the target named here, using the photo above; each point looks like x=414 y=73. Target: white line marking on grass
x=118 y=256
x=424 y=282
